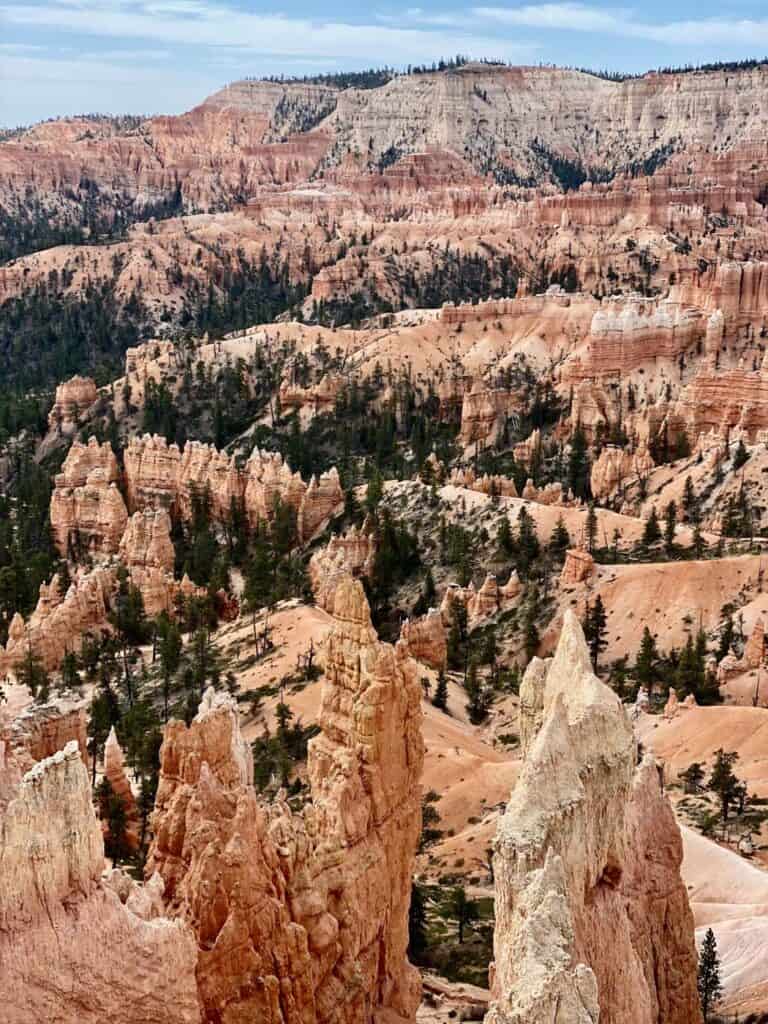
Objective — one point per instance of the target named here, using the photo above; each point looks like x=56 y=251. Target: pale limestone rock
x=616 y=465
x=592 y=918
x=69 y=949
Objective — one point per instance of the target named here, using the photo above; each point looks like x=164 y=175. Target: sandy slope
x=730 y=895
x=695 y=734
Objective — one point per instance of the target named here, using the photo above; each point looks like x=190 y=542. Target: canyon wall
x=592 y=917
x=302 y=918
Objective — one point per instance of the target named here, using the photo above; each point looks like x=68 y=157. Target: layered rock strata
x=302 y=918
x=592 y=917
x=70 y=948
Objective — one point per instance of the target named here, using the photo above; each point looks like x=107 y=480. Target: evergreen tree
x=652 y=530
x=693 y=777
x=708 y=976
x=595 y=630
x=578 y=464
x=647 y=660
x=440 y=697
x=591 y=528
x=463 y=909
x=723 y=781
x=670 y=522
x=417 y=925
x=560 y=540
x=727 y=634
x=112 y=812
x=30 y=672
x=528 y=547
x=741 y=455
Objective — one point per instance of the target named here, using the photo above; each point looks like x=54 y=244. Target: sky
x=61 y=57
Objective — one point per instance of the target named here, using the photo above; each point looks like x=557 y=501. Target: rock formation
x=349 y=554
x=42 y=729
x=70 y=949
x=90 y=519
x=481 y=603
x=616 y=465
x=592 y=917
x=302 y=918
x=484 y=412
x=59 y=621
x=146 y=543
x=426 y=639
x=579 y=565
x=160 y=476
x=73 y=399
x=115 y=774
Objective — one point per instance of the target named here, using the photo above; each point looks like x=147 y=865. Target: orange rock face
x=71 y=949
x=426 y=639
x=578 y=567
x=302 y=918
x=60 y=621
x=592 y=916
x=481 y=603
x=146 y=543
x=615 y=465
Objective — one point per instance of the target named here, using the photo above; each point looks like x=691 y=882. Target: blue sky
x=163 y=56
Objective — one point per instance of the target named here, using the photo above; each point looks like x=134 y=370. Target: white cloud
x=190 y=22
x=577 y=17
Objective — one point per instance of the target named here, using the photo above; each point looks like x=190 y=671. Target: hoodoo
x=592 y=917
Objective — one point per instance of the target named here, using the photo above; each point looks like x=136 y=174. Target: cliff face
x=592 y=918
x=70 y=948
x=302 y=918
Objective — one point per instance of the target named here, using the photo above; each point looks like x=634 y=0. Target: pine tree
x=560 y=540
x=528 y=547
x=647 y=660
x=741 y=455
x=670 y=522
x=723 y=781
x=708 y=977
x=652 y=530
x=591 y=528
x=578 y=464
x=417 y=925
x=464 y=910
x=440 y=697
x=595 y=629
